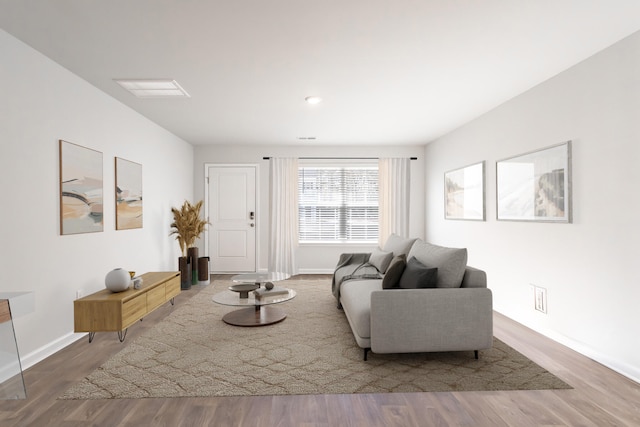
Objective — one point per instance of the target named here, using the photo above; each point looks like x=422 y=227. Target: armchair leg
x=366 y=350
x=476 y=354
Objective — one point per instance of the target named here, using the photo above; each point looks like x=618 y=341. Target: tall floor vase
x=185 y=272
x=192 y=253
x=203 y=270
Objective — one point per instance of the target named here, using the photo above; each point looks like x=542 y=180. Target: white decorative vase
x=117 y=280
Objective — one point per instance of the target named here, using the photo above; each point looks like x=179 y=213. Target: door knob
x=252 y=225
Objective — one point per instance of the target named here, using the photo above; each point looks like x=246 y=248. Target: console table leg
x=172 y=301
x=122 y=335
x=91 y=335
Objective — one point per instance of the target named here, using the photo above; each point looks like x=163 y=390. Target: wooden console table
x=106 y=311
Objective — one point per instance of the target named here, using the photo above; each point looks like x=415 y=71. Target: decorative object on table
x=203 y=270
x=185 y=272
x=244 y=288
x=464 y=192
x=81 y=189
x=269 y=285
x=188 y=226
x=128 y=194
x=118 y=280
x=274 y=291
x=535 y=186
x=137 y=281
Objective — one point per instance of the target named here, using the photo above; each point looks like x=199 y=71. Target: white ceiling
x=389 y=71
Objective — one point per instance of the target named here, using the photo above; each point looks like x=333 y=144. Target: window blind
x=338 y=204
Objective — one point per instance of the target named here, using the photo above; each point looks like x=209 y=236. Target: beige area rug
x=192 y=352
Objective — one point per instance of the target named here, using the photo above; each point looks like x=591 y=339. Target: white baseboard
x=315 y=271
x=631 y=372
x=43 y=352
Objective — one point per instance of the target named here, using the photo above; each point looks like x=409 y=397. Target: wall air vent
x=153 y=88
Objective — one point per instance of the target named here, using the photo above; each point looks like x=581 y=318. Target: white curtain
x=393 y=197
x=283 y=230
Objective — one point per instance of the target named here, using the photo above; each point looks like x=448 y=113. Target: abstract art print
x=535 y=186
x=81 y=205
x=464 y=193
x=128 y=194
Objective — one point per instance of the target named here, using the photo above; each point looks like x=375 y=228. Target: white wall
x=311 y=258
x=42 y=103
x=588 y=267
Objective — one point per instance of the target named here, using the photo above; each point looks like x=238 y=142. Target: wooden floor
x=600 y=396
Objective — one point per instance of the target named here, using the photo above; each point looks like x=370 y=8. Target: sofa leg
x=476 y=354
x=366 y=350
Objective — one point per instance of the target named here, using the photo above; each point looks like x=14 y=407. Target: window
x=338 y=203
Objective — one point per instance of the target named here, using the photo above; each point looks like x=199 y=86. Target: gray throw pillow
x=398 y=245
x=451 y=262
x=394 y=272
x=417 y=275
x=380 y=259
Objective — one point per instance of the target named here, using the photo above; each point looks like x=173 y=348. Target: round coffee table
x=248 y=282
x=259 y=311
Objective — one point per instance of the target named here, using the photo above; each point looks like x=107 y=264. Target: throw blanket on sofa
x=352 y=266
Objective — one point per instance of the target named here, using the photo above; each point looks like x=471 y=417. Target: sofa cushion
x=450 y=262
x=380 y=259
x=355 y=296
x=417 y=275
x=398 y=245
x=394 y=272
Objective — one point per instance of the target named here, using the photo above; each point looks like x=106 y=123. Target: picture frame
x=81 y=189
x=128 y=194
x=535 y=186
x=464 y=193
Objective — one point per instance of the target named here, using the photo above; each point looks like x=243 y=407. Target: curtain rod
x=339 y=158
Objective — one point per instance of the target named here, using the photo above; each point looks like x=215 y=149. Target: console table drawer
x=133 y=310
x=156 y=297
x=172 y=287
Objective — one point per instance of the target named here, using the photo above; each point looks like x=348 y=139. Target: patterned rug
x=192 y=352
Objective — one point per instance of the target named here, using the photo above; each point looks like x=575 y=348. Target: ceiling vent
x=153 y=88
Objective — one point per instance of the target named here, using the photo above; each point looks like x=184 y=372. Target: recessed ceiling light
x=313 y=99
x=153 y=88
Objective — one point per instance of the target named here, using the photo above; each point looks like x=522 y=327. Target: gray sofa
x=421 y=298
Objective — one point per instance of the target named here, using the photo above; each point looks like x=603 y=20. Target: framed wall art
x=535 y=186
x=128 y=194
x=464 y=193
x=81 y=188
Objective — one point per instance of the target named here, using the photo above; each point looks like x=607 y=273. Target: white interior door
x=232 y=214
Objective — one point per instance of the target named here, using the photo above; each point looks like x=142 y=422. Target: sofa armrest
x=426 y=320
x=474 y=278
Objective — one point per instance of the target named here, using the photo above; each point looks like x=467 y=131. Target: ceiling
x=390 y=72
